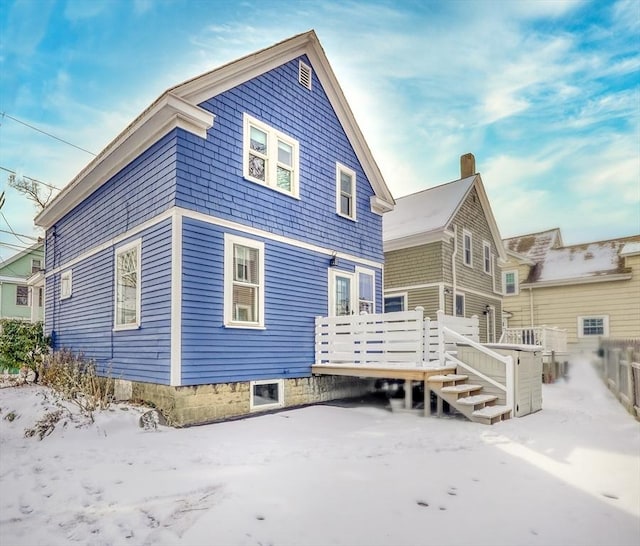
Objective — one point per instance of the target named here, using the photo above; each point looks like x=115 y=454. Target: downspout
x=453 y=270
x=531 y=306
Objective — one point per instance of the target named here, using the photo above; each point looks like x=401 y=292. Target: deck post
x=408 y=394
x=427 y=397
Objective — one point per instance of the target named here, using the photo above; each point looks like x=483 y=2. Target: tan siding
x=425 y=297
x=413 y=266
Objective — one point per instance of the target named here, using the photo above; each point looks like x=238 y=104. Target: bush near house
x=22 y=344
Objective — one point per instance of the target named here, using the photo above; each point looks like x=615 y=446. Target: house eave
x=417 y=239
x=576 y=281
x=164 y=115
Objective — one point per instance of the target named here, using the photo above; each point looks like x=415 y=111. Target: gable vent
x=304 y=75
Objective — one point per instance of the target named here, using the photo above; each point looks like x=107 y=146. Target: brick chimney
x=467 y=165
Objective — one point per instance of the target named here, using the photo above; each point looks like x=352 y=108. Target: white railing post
x=420 y=328
x=440 y=319
x=510 y=372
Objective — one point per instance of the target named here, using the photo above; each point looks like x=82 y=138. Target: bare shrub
x=75 y=379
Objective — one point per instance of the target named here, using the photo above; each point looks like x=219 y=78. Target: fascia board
x=416 y=240
x=581 y=280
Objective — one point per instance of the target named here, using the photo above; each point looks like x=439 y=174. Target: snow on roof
x=630 y=249
x=425 y=211
x=585 y=260
x=534 y=245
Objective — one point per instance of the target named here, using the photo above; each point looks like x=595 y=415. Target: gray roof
x=426 y=211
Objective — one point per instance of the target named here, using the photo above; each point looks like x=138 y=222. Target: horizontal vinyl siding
x=425 y=297
x=83 y=323
x=139 y=192
x=295 y=293
x=210 y=172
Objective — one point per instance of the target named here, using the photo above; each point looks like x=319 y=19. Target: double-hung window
x=127 y=303
x=270 y=157
x=244 y=282
x=467 y=250
x=593 y=326
x=459 y=301
x=36 y=265
x=510 y=283
x=366 y=290
x=486 y=257
x=395 y=302
x=22 y=295
x=345 y=191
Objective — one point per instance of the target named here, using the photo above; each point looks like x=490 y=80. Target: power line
x=4 y=114
x=12 y=232
x=21 y=235
x=32 y=179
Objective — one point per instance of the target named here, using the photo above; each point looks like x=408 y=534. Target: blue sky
x=545 y=93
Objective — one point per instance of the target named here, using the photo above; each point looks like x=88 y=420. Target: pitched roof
x=34 y=248
x=178 y=107
x=419 y=217
x=577 y=263
x=534 y=245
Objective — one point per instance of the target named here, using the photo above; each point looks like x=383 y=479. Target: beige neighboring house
x=442 y=250
x=591 y=290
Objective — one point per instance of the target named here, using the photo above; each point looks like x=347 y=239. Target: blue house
x=190 y=257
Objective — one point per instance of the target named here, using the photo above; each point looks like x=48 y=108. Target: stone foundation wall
x=206 y=403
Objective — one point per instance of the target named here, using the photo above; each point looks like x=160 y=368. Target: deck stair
x=468 y=398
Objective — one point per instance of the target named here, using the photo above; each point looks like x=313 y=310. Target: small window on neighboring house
x=395 y=302
x=270 y=157
x=244 y=282
x=345 y=191
x=467 y=255
x=304 y=74
x=40 y=296
x=510 y=283
x=65 y=285
x=22 y=295
x=366 y=283
x=593 y=326
x=486 y=255
x=459 y=305
x=266 y=394
x=127 y=293
x=36 y=265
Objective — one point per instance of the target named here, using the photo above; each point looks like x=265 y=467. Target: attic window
x=304 y=75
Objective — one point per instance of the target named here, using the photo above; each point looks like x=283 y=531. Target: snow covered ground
x=327 y=475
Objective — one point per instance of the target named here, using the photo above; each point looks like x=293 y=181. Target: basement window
x=304 y=75
x=267 y=394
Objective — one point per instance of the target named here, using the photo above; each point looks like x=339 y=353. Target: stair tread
x=491 y=411
x=477 y=399
x=448 y=377
x=461 y=388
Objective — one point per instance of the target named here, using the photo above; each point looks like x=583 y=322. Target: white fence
x=549 y=338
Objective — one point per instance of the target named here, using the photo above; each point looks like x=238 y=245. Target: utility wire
x=33 y=179
x=21 y=235
x=4 y=114
x=13 y=232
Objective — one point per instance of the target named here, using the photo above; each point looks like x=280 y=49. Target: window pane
x=265 y=394
x=258 y=140
x=245 y=264
x=393 y=304
x=284 y=179
x=245 y=303
x=22 y=295
x=257 y=167
x=459 y=305
x=285 y=153
x=345 y=183
x=365 y=291
x=593 y=327
x=343 y=296
x=345 y=205
x=127 y=287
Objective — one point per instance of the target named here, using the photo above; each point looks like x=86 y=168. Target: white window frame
x=137 y=245
x=340 y=168
x=371 y=273
x=402 y=295
x=271 y=157
x=27 y=303
x=33 y=261
x=331 y=300
x=605 y=326
x=465 y=234
x=261 y=407
x=487 y=258
x=516 y=281
x=66 y=284
x=464 y=304
x=229 y=242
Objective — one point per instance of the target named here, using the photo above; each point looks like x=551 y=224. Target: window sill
x=346 y=217
x=245 y=326
x=124 y=328
x=274 y=188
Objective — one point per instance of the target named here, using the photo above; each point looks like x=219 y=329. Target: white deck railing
x=549 y=338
